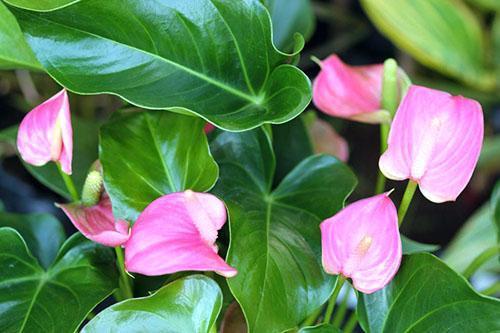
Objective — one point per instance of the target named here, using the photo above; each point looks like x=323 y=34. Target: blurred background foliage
x=452 y=45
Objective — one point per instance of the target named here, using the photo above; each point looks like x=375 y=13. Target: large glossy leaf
x=14 y=51
x=477 y=234
x=441 y=34
x=56 y=300
x=41 y=5
x=187 y=305
x=214 y=58
x=323 y=328
x=290 y=17
x=148 y=154
x=410 y=246
x=42 y=233
x=428 y=296
x=275 y=235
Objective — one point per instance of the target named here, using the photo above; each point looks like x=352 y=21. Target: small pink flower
x=352 y=92
x=97 y=222
x=177 y=232
x=327 y=141
x=362 y=242
x=435 y=140
x=45 y=134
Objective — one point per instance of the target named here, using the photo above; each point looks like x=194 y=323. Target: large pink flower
x=435 y=140
x=362 y=242
x=45 y=134
x=177 y=232
x=352 y=92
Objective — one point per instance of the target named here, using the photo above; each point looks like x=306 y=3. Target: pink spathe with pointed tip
x=45 y=134
x=435 y=140
x=97 y=222
x=177 y=232
x=352 y=92
x=362 y=242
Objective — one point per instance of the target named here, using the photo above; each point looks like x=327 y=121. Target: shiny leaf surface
x=145 y=155
x=189 y=304
x=211 y=57
x=41 y=5
x=427 y=296
x=56 y=300
x=275 y=236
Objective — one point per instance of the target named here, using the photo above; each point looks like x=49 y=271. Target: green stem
x=492 y=290
x=213 y=329
x=340 y=313
x=69 y=183
x=480 y=260
x=333 y=299
x=405 y=202
x=351 y=323
x=311 y=320
x=125 y=290
x=389 y=102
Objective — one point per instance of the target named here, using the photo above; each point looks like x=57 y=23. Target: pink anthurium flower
x=327 y=141
x=177 y=232
x=97 y=222
x=435 y=140
x=45 y=134
x=362 y=242
x=352 y=92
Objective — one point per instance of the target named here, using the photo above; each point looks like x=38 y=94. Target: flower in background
x=45 y=134
x=177 y=232
x=362 y=242
x=327 y=141
x=93 y=217
x=435 y=140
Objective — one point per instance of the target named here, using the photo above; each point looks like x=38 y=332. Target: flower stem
x=492 y=290
x=311 y=320
x=125 y=288
x=341 y=312
x=333 y=299
x=480 y=260
x=351 y=323
x=69 y=183
x=405 y=202
x=389 y=102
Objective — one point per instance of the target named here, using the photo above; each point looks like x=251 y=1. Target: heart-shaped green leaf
x=186 y=305
x=41 y=5
x=145 y=155
x=442 y=34
x=42 y=233
x=427 y=296
x=290 y=17
x=213 y=58
x=323 y=328
x=14 y=51
x=275 y=235
x=56 y=300
x=411 y=246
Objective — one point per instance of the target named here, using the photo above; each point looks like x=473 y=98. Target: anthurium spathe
x=352 y=92
x=93 y=217
x=435 y=140
x=45 y=134
x=362 y=242
x=177 y=232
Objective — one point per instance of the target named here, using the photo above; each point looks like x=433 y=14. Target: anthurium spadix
x=177 y=232
x=93 y=217
x=45 y=134
x=435 y=140
x=362 y=242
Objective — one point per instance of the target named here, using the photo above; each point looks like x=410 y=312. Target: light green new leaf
x=186 y=305
x=42 y=233
x=56 y=300
x=145 y=155
x=14 y=51
x=427 y=296
x=213 y=58
x=275 y=236
x=442 y=34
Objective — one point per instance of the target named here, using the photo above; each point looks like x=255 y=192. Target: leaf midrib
x=248 y=97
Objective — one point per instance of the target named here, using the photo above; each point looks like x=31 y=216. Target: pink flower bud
x=435 y=140
x=97 y=222
x=352 y=92
x=45 y=134
x=362 y=242
x=177 y=232
x=327 y=141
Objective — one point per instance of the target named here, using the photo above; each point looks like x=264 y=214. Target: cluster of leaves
x=221 y=64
